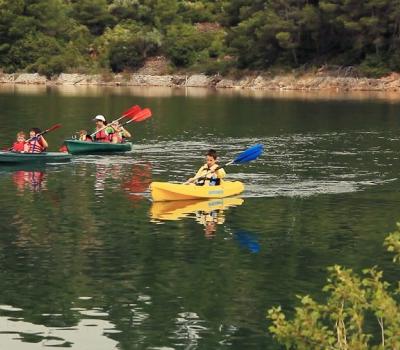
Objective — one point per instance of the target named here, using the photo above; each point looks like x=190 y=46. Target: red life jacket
x=102 y=136
x=35 y=146
x=18 y=146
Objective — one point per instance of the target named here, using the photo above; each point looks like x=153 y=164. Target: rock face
x=33 y=78
x=199 y=80
x=155 y=66
x=70 y=79
x=306 y=82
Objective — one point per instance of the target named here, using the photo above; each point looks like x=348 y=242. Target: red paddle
x=142 y=115
x=139 y=117
x=129 y=113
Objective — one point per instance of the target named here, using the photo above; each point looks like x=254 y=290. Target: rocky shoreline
x=290 y=82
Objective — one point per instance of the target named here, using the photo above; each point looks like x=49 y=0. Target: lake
x=87 y=261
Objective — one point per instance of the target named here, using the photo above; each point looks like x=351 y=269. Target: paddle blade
x=132 y=111
x=54 y=127
x=249 y=154
x=142 y=115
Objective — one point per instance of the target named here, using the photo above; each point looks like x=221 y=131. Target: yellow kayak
x=181 y=209
x=165 y=191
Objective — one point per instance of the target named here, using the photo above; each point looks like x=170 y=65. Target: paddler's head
x=100 y=121
x=211 y=157
x=82 y=135
x=116 y=126
x=21 y=136
x=34 y=131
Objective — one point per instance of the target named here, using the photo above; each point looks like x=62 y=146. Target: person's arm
x=126 y=133
x=43 y=141
x=198 y=174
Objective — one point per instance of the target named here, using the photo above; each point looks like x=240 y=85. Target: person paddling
x=36 y=144
x=210 y=173
x=120 y=133
x=19 y=145
x=104 y=135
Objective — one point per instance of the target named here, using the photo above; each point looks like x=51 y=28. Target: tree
x=93 y=14
x=127 y=45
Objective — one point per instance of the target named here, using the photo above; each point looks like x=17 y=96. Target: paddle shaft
x=248 y=155
x=207 y=173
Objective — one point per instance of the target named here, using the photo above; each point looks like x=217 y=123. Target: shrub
x=339 y=323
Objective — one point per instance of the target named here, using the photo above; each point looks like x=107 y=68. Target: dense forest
x=212 y=36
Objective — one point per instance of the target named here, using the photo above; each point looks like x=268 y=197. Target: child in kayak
x=19 y=145
x=210 y=173
x=35 y=144
x=105 y=135
x=83 y=136
x=120 y=133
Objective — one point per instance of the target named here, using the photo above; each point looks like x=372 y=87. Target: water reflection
x=198 y=92
x=88 y=333
x=34 y=181
x=137 y=181
x=247 y=240
x=116 y=174
x=209 y=213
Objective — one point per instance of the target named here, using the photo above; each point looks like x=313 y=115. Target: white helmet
x=100 y=117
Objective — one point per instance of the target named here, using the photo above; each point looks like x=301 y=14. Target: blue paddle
x=246 y=156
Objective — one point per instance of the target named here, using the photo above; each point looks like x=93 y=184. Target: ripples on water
x=295 y=165
x=292 y=165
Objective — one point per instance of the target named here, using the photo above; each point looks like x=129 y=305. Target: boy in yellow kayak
x=210 y=173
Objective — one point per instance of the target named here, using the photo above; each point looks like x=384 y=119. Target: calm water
x=88 y=262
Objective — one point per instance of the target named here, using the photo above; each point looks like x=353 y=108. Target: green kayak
x=7 y=157
x=84 y=147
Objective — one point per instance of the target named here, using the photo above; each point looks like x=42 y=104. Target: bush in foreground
x=340 y=323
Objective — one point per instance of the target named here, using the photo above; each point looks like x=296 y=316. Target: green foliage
x=186 y=45
x=341 y=322
x=93 y=14
x=127 y=45
x=374 y=66
x=257 y=34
